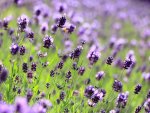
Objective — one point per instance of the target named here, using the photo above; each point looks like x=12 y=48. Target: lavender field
x=74 y=56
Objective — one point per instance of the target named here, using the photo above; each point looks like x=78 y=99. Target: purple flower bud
x=22 y=22
x=122 y=99
x=22 y=50
x=89 y=91
x=14 y=49
x=138 y=88
x=61 y=22
x=25 y=67
x=117 y=86
x=81 y=70
x=138 y=109
x=3 y=75
x=109 y=60
x=99 y=75
x=48 y=41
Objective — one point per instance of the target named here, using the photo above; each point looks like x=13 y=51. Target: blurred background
x=136 y=11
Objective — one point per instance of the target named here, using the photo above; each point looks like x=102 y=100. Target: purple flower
x=122 y=99
x=22 y=22
x=147 y=105
x=22 y=50
x=21 y=105
x=138 y=109
x=99 y=75
x=76 y=53
x=117 y=86
x=109 y=60
x=25 y=67
x=33 y=66
x=93 y=57
x=127 y=63
x=61 y=22
x=81 y=70
x=54 y=28
x=138 y=88
x=14 y=49
x=3 y=75
x=48 y=41
x=89 y=91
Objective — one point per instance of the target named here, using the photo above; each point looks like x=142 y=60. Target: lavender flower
x=60 y=65
x=22 y=22
x=89 y=91
x=148 y=94
x=62 y=95
x=81 y=70
x=122 y=99
x=127 y=64
x=29 y=95
x=99 y=75
x=138 y=88
x=147 y=105
x=54 y=28
x=22 y=50
x=61 y=22
x=97 y=96
x=3 y=75
x=76 y=53
x=48 y=41
x=109 y=60
x=138 y=109
x=33 y=66
x=93 y=57
x=14 y=49
x=117 y=86
x=25 y=67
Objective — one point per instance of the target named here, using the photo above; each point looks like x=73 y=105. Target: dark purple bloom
x=68 y=75
x=48 y=41
x=95 y=97
x=81 y=70
x=122 y=100
x=138 y=88
x=62 y=95
x=29 y=95
x=30 y=58
x=99 y=75
x=29 y=74
x=3 y=75
x=148 y=94
x=147 y=105
x=22 y=23
x=93 y=57
x=30 y=35
x=25 y=67
x=76 y=53
x=109 y=60
x=54 y=28
x=138 y=109
x=33 y=66
x=74 y=66
x=22 y=50
x=61 y=22
x=127 y=64
x=14 y=49
x=37 y=12
x=60 y=65
x=52 y=73
x=117 y=86
x=89 y=91
x=5 y=23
